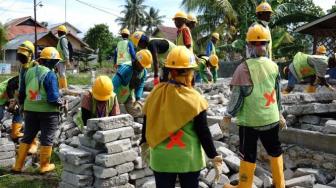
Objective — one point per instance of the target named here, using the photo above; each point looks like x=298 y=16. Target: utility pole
x=65 y=10
x=35 y=44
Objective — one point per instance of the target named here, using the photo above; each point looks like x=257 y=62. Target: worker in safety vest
x=178 y=131
x=264 y=12
x=207 y=68
x=308 y=66
x=191 y=21
x=184 y=37
x=101 y=101
x=24 y=56
x=129 y=82
x=211 y=48
x=125 y=52
x=159 y=48
x=63 y=50
x=255 y=101
x=40 y=95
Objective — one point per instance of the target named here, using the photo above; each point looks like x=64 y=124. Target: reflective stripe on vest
x=36 y=96
x=213 y=51
x=3 y=93
x=123 y=56
x=260 y=108
x=180 y=153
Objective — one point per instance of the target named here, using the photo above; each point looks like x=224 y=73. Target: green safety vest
x=181 y=154
x=214 y=74
x=123 y=56
x=60 y=48
x=3 y=93
x=301 y=66
x=109 y=107
x=124 y=92
x=36 y=96
x=213 y=51
x=180 y=41
x=163 y=56
x=260 y=108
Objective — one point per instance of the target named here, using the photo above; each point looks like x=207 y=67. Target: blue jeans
x=17 y=117
x=291 y=80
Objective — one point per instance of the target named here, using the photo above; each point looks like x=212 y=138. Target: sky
x=83 y=16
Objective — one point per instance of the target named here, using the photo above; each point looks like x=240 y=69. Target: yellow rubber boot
x=310 y=89
x=16 y=128
x=21 y=156
x=246 y=173
x=33 y=146
x=45 y=154
x=277 y=172
x=62 y=82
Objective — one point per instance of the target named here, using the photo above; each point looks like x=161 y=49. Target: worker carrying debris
x=100 y=102
x=63 y=50
x=207 y=68
x=125 y=52
x=313 y=67
x=176 y=140
x=184 y=37
x=159 y=48
x=255 y=100
x=24 y=55
x=264 y=12
x=40 y=98
x=129 y=82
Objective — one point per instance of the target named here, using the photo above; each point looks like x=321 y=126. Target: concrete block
x=103 y=173
x=4 y=163
x=118 y=146
x=216 y=131
x=310 y=119
x=137 y=128
x=77 y=180
x=74 y=142
x=72 y=132
x=149 y=184
x=310 y=127
x=210 y=178
x=93 y=151
x=312 y=108
x=109 y=123
x=288 y=173
x=83 y=169
x=89 y=142
x=304 y=181
x=137 y=174
x=202 y=185
x=124 y=168
x=222 y=181
x=330 y=127
x=319 y=175
x=225 y=168
x=140 y=182
x=10 y=146
x=74 y=156
x=112 y=135
x=67 y=125
x=63 y=184
x=321 y=186
x=111 y=182
x=233 y=162
x=139 y=163
x=4 y=140
x=225 y=151
x=109 y=160
x=7 y=155
x=332 y=183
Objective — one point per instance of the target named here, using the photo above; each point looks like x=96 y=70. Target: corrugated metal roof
x=15 y=43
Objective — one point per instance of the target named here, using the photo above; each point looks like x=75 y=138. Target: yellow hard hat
x=145 y=58
x=102 y=88
x=213 y=59
x=215 y=35
x=135 y=37
x=180 y=58
x=27 y=48
x=125 y=31
x=257 y=33
x=192 y=18
x=62 y=28
x=50 y=53
x=264 y=7
x=321 y=49
x=180 y=14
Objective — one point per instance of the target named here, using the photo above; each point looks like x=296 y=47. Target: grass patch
x=4 y=77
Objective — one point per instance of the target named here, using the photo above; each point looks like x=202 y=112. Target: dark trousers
x=248 y=138
x=168 y=180
x=46 y=122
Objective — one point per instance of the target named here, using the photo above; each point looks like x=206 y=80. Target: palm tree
x=153 y=19
x=134 y=14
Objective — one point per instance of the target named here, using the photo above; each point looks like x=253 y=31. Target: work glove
x=144 y=152
x=282 y=122
x=156 y=80
x=12 y=106
x=217 y=163
x=227 y=120
x=331 y=88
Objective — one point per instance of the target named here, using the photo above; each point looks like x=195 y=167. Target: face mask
x=257 y=51
x=264 y=22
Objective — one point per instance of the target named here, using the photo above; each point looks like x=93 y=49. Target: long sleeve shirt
x=202 y=130
x=131 y=51
x=65 y=49
x=209 y=48
x=124 y=76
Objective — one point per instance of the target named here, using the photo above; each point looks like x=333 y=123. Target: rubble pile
x=7 y=152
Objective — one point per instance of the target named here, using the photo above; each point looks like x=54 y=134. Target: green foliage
x=101 y=39
x=3 y=38
x=152 y=20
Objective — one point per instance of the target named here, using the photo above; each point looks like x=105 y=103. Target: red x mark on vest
x=270 y=98
x=305 y=70
x=122 y=55
x=124 y=91
x=176 y=140
x=33 y=94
